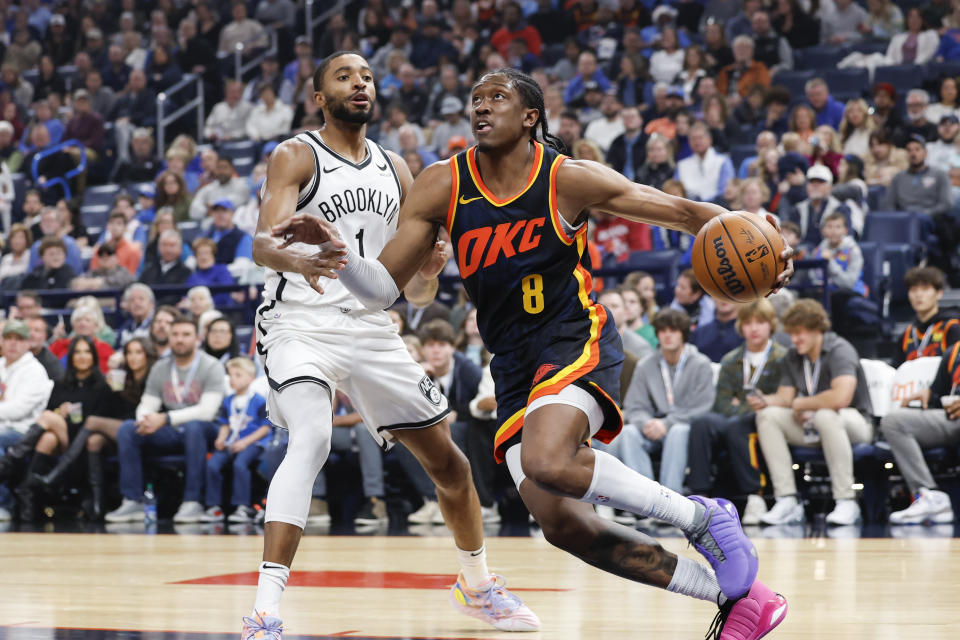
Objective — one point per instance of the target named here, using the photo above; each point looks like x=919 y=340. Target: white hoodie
x=24 y=392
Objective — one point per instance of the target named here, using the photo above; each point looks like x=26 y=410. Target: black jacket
x=617 y=153
x=177 y=274
x=463 y=388
x=40 y=278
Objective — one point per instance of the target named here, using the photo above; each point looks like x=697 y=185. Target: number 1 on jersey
x=359 y=238
x=532 y=287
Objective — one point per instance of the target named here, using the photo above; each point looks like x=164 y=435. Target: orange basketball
x=736 y=257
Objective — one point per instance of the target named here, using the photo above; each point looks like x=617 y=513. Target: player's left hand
x=787 y=256
x=307 y=230
x=436 y=262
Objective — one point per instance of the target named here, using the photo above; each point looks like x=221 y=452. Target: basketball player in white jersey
x=313 y=344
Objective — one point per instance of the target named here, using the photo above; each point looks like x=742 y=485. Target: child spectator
x=244 y=432
x=844 y=266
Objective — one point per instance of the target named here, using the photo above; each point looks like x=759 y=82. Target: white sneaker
x=604 y=511
x=128 y=511
x=755 y=509
x=429 y=513
x=785 y=510
x=242 y=515
x=930 y=505
x=5 y=515
x=190 y=512
x=490 y=515
x=319 y=515
x=846 y=512
x=213 y=514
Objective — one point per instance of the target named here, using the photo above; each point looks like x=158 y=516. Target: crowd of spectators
x=687 y=97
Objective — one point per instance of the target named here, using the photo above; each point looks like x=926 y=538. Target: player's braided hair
x=532 y=96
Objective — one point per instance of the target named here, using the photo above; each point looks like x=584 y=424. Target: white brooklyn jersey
x=362 y=200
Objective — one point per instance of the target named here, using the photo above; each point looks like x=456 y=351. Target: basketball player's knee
x=544 y=469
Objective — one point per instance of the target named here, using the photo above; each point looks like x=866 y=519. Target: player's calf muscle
x=632 y=555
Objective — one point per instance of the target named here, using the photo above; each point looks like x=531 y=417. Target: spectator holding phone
x=747 y=375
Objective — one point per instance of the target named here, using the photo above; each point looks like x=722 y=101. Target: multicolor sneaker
x=728 y=550
x=751 y=617
x=494 y=605
x=261 y=627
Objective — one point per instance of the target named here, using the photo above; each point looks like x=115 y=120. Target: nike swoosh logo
x=325 y=170
x=383 y=168
x=477 y=553
x=468 y=201
x=776 y=614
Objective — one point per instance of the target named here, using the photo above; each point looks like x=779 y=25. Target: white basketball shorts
x=359 y=352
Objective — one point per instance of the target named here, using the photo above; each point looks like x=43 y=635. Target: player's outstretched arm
x=291 y=165
x=583 y=184
x=378 y=283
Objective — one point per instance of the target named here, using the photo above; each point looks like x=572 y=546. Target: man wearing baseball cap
x=819 y=203
x=232 y=243
x=885 y=113
x=921 y=187
x=942 y=150
x=85 y=125
x=24 y=391
x=454 y=125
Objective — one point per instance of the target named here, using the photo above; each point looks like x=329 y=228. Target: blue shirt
x=74 y=259
x=716 y=339
x=831 y=114
x=248 y=420
x=244 y=247
x=575 y=88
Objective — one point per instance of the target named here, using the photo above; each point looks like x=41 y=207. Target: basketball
x=736 y=257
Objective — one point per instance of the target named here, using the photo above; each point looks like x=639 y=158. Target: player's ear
x=319 y=99
x=530 y=117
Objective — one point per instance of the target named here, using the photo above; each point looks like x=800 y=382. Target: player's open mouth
x=483 y=126
x=360 y=100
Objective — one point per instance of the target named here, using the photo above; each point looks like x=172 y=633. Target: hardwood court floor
x=860 y=589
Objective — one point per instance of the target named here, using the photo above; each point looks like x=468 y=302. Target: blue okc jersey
x=531 y=284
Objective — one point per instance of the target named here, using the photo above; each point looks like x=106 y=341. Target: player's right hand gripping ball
x=736 y=257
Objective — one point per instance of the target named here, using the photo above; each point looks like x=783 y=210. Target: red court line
x=347 y=579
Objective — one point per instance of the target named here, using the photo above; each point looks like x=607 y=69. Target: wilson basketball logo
x=725 y=270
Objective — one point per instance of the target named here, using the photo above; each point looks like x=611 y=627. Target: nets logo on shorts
x=430 y=390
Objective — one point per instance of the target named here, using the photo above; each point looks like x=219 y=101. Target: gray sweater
x=926 y=191
x=693 y=390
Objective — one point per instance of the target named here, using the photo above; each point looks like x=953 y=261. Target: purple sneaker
x=722 y=542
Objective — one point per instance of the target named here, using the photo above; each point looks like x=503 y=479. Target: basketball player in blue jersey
x=314 y=337
x=514 y=209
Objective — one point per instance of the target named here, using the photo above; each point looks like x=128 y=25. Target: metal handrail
x=311 y=22
x=239 y=68
x=63 y=180
x=197 y=103
x=63 y=297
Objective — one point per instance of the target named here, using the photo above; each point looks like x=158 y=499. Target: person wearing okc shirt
x=932 y=331
x=175 y=415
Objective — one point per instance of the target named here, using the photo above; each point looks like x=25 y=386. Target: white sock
x=473 y=565
x=695 y=580
x=273 y=580
x=617 y=485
